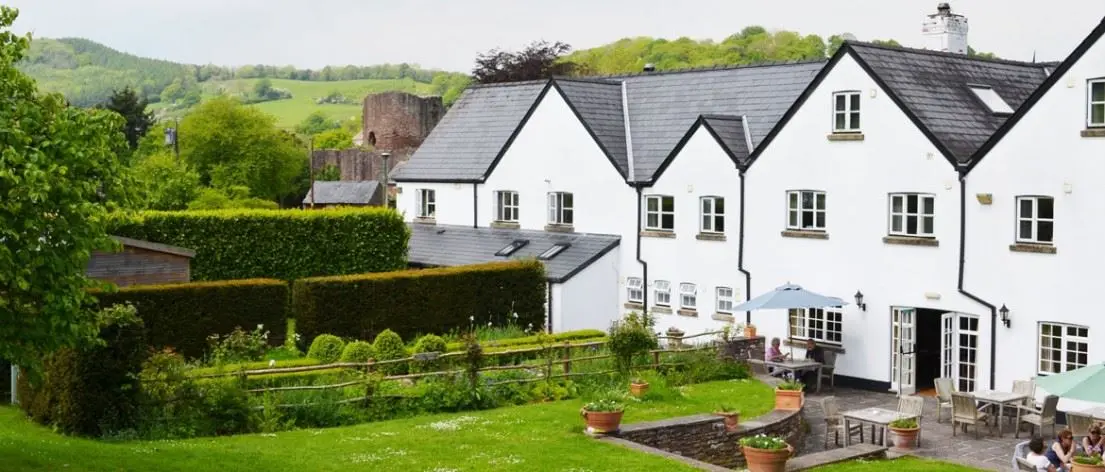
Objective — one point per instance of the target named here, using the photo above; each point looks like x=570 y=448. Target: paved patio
x=937 y=442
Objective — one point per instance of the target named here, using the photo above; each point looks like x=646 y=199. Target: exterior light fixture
x=1004 y=315
x=859 y=301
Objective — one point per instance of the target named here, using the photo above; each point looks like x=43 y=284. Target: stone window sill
x=801 y=343
x=805 y=234
x=911 y=241
x=657 y=234
x=845 y=136
x=560 y=228
x=425 y=221
x=1033 y=248
x=723 y=317
x=1093 y=133
x=710 y=237
x=505 y=225
x=688 y=312
x=634 y=306
x=665 y=310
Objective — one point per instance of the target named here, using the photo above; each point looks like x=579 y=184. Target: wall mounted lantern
x=1004 y=315
x=859 y=301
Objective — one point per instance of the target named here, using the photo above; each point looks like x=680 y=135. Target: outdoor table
x=1000 y=399
x=1098 y=413
x=795 y=366
x=880 y=417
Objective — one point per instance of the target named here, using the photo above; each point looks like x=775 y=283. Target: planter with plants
x=638 y=387
x=905 y=432
x=788 y=395
x=766 y=453
x=731 y=416
x=1084 y=463
x=604 y=415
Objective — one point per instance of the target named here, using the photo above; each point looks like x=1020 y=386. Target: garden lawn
x=542 y=437
x=904 y=464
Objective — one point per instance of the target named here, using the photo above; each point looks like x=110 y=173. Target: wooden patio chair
x=965 y=412
x=944 y=389
x=834 y=422
x=1025 y=465
x=1043 y=417
x=1027 y=387
x=757 y=366
x=912 y=405
x=829 y=368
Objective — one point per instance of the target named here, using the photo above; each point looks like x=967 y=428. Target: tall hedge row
x=280 y=244
x=414 y=302
x=181 y=316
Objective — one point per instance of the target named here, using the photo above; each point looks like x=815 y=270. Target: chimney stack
x=945 y=31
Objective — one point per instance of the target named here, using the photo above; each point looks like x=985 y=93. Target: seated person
x=814 y=353
x=1094 y=443
x=1062 y=451
x=773 y=354
x=1036 y=456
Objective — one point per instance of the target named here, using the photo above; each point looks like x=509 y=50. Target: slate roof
x=453 y=245
x=933 y=86
x=344 y=193
x=599 y=105
x=729 y=130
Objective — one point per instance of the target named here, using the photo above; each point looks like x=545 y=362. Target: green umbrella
x=1086 y=383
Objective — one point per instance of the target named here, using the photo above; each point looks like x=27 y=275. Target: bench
x=833 y=456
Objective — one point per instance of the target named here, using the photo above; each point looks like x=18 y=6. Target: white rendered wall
x=589 y=300
x=454 y=202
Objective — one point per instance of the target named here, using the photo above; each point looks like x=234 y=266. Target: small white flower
x=472 y=318
x=260 y=327
x=272 y=362
x=515 y=315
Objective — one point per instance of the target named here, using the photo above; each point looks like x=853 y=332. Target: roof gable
x=598 y=105
x=342 y=192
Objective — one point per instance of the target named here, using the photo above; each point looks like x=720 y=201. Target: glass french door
x=959 y=349
x=903 y=341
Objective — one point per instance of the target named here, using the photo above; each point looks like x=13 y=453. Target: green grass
x=904 y=464
x=543 y=437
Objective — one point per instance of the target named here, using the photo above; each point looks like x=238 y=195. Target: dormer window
x=1097 y=103
x=553 y=251
x=846 y=112
x=512 y=247
x=991 y=99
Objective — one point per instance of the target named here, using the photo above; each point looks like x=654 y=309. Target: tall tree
x=50 y=220
x=539 y=60
x=132 y=108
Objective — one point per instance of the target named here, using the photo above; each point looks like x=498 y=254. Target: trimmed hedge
x=412 y=302
x=280 y=244
x=530 y=341
x=182 y=316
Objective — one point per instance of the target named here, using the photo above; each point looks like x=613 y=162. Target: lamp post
x=386 y=156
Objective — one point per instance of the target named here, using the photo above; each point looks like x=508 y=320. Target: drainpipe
x=475 y=205
x=740 y=250
x=548 y=327
x=644 y=265
x=962 y=261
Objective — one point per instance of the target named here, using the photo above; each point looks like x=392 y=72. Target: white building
x=844 y=177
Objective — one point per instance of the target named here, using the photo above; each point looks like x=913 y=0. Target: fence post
x=656 y=359
x=567 y=357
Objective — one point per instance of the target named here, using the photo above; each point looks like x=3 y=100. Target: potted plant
x=603 y=415
x=764 y=453
x=1084 y=463
x=905 y=430
x=788 y=395
x=749 y=330
x=731 y=416
x=638 y=387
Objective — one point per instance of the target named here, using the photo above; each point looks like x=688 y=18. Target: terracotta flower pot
x=766 y=460
x=749 y=331
x=1076 y=467
x=602 y=421
x=638 y=389
x=732 y=420
x=788 y=399
x=905 y=438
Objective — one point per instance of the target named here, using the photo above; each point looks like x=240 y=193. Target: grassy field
x=290 y=112
x=544 y=437
x=904 y=464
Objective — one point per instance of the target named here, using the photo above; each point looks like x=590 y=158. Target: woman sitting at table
x=775 y=355
x=1036 y=456
x=1062 y=451
x=1094 y=443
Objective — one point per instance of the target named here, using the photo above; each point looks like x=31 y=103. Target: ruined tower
x=398 y=122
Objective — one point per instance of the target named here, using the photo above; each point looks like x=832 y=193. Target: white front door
x=903 y=341
x=959 y=350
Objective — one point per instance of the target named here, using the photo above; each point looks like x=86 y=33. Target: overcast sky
x=447 y=34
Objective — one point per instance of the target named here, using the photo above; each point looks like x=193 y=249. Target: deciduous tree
x=539 y=60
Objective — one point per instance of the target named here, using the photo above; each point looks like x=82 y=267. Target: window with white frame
x=662 y=291
x=688 y=296
x=427 y=203
x=660 y=213
x=506 y=206
x=912 y=214
x=1063 y=347
x=635 y=290
x=806 y=210
x=1096 y=116
x=818 y=324
x=846 y=112
x=1035 y=220
x=725 y=300
x=713 y=214
x=561 y=208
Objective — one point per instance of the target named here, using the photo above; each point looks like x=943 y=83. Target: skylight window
x=512 y=247
x=992 y=100
x=553 y=251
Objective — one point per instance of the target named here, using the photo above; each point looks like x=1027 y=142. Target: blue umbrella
x=789 y=296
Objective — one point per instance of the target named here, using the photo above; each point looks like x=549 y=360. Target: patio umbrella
x=786 y=297
x=1084 y=384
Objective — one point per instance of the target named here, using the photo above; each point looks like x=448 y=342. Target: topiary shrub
x=326 y=348
x=389 y=346
x=358 y=351
x=629 y=339
x=429 y=343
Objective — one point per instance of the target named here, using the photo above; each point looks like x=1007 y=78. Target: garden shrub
x=238 y=346
x=358 y=351
x=389 y=346
x=631 y=338
x=280 y=244
x=327 y=348
x=92 y=389
x=426 y=344
x=182 y=316
x=421 y=301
